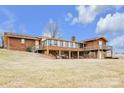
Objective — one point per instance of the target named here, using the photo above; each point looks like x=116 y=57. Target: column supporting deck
x=69 y=54
x=77 y=54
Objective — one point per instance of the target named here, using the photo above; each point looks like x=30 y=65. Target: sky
x=84 y=22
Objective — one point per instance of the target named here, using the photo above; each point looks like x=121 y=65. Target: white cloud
x=118 y=43
x=87 y=14
x=74 y=21
x=68 y=17
x=111 y=23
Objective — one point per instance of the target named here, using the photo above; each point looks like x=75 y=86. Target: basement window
x=22 y=41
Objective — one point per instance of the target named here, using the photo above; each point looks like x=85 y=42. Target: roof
x=10 y=34
x=93 y=39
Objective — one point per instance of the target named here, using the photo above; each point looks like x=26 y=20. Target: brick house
x=91 y=48
x=19 y=42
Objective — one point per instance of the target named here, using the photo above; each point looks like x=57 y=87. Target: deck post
x=59 y=53
x=99 y=54
x=69 y=54
x=111 y=52
x=78 y=54
x=8 y=45
x=47 y=52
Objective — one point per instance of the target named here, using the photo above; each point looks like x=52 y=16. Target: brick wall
x=16 y=44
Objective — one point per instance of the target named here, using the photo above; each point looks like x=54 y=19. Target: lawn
x=22 y=69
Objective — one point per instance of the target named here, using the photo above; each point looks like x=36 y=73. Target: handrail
x=39 y=47
x=97 y=47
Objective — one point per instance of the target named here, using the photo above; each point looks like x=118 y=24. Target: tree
x=52 y=30
x=1 y=40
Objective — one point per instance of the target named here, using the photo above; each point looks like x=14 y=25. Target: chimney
x=73 y=38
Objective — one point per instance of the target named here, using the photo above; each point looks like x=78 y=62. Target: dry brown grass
x=21 y=69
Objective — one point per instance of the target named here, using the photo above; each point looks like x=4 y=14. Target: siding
x=15 y=43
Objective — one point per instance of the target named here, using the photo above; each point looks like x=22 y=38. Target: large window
x=77 y=45
x=61 y=43
x=71 y=45
x=58 y=43
x=66 y=44
x=49 y=42
x=55 y=42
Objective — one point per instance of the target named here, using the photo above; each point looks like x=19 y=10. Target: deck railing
x=36 y=48
x=40 y=47
x=97 y=47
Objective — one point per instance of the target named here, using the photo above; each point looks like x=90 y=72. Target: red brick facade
x=15 y=43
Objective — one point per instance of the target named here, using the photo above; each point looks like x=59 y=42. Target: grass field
x=22 y=69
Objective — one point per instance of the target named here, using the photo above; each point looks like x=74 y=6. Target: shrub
x=29 y=49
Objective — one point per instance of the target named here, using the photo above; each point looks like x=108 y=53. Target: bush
x=29 y=49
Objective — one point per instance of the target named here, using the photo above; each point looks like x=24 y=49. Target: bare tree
x=1 y=40
x=52 y=30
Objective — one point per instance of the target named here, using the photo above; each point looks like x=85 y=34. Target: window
x=36 y=43
x=44 y=42
x=55 y=42
x=58 y=43
x=49 y=42
x=61 y=43
x=66 y=44
x=100 y=44
x=71 y=45
x=22 y=41
x=78 y=45
x=52 y=42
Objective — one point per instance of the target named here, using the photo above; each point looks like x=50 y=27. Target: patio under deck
x=87 y=52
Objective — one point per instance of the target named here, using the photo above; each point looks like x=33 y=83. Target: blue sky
x=81 y=21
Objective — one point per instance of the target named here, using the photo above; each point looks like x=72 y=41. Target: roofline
x=9 y=34
x=59 y=39
x=93 y=39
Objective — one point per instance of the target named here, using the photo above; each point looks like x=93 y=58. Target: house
x=90 y=48
x=19 y=42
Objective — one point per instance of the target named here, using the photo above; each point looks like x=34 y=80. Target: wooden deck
x=90 y=48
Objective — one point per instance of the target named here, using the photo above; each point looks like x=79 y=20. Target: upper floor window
x=58 y=43
x=22 y=41
x=55 y=42
x=71 y=45
x=61 y=43
x=100 y=43
x=77 y=45
x=74 y=45
x=66 y=44
x=49 y=42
